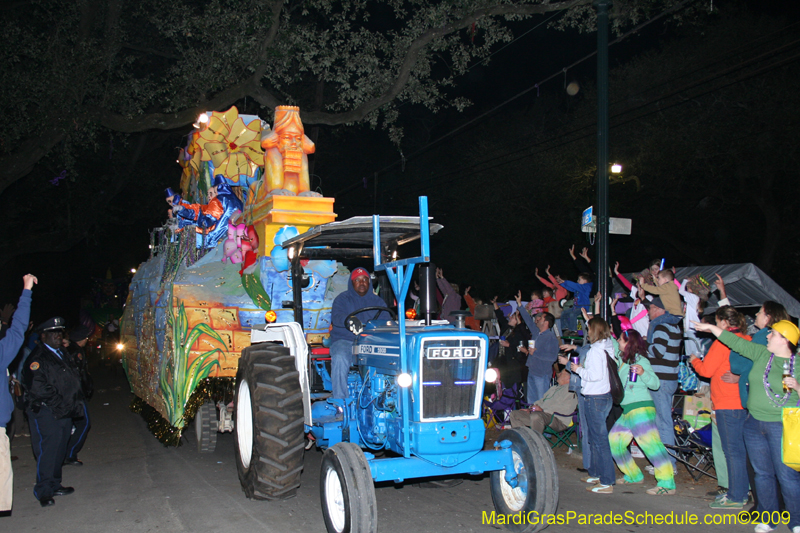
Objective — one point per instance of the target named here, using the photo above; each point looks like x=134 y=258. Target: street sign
x=619 y=226
x=588 y=221
x=616 y=226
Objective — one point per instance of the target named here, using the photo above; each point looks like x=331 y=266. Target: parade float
x=216 y=267
x=226 y=324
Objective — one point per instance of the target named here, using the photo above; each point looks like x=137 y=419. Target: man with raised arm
x=9 y=347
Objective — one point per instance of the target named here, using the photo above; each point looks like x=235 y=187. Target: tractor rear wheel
x=268 y=424
x=346 y=491
x=537 y=488
x=205 y=425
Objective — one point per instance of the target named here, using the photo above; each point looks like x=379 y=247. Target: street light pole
x=602 y=154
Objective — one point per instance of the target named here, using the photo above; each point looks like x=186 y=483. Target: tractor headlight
x=491 y=375
x=404 y=380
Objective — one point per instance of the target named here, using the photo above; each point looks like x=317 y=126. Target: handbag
x=617 y=390
x=687 y=378
x=791 y=437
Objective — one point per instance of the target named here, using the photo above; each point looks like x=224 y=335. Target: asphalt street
x=131 y=483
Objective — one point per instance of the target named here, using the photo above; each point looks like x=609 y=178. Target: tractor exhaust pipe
x=427 y=291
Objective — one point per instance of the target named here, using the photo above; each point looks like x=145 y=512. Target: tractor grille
x=450 y=373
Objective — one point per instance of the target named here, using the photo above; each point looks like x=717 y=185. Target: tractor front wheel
x=268 y=425
x=537 y=480
x=346 y=491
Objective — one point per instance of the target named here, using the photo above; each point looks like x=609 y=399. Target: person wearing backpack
x=638 y=420
x=596 y=390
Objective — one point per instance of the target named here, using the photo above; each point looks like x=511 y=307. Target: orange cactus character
x=286 y=150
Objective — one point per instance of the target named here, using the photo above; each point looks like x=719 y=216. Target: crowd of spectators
x=554 y=349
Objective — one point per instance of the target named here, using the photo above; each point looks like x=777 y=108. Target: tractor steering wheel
x=353 y=324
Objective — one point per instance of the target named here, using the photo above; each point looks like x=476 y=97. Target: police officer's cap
x=53 y=324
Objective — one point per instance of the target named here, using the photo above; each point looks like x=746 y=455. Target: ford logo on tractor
x=452 y=353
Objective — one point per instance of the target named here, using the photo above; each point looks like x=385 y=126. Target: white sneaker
x=766 y=528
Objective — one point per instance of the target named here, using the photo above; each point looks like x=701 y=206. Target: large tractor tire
x=205 y=425
x=268 y=423
x=538 y=481
x=549 y=471
x=346 y=491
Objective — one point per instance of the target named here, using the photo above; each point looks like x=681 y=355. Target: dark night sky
x=65 y=276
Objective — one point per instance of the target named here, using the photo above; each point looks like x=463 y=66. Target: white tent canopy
x=746 y=286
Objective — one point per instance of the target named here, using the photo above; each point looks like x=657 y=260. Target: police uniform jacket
x=78 y=360
x=53 y=382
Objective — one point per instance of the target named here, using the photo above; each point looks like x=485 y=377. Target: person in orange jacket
x=730 y=415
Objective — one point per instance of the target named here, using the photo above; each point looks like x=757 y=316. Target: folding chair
x=564 y=437
x=497 y=408
x=693 y=449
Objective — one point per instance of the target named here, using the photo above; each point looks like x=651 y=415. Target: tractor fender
x=290 y=335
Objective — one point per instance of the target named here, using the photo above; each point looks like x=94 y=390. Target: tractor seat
x=321 y=353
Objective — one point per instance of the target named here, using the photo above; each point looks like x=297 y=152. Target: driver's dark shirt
x=350 y=301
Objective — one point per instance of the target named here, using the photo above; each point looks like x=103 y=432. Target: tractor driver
x=357 y=296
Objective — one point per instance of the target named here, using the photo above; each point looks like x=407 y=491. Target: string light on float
x=202 y=120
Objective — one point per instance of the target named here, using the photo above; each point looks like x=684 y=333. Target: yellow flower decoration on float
x=232 y=146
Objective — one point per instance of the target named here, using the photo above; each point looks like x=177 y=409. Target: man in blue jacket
x=357 y=296
x=9 y=347
x=542 y=356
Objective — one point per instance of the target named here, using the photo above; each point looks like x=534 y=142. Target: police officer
x=53 y=397
x=77 y=355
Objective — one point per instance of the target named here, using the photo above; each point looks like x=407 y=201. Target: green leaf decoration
x=255 y=290
x=178 y=378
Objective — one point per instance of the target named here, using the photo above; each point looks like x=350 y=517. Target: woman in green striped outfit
x=638 y=418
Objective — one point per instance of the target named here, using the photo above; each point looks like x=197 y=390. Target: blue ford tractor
x=415 y=397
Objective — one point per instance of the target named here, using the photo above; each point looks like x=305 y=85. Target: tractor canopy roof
x=352 y=238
